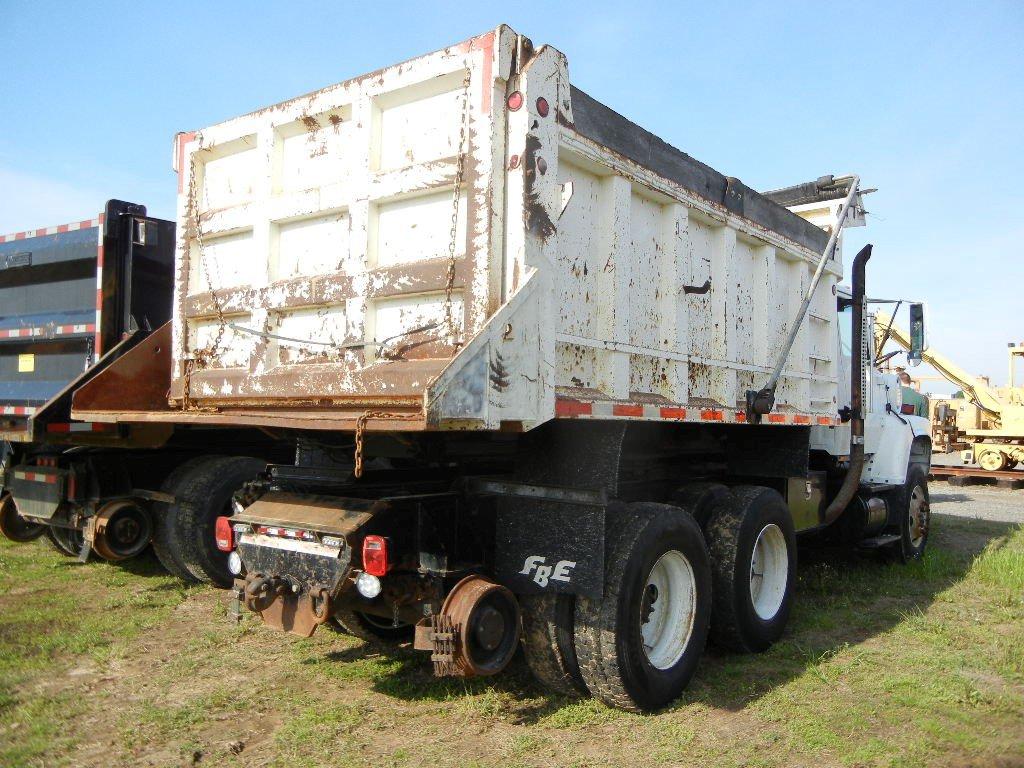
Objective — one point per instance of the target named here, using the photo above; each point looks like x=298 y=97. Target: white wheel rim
x=667 y=609
x=769 y=572
x=919 y=514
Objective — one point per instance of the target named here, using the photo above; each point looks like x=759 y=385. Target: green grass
x=883 y=665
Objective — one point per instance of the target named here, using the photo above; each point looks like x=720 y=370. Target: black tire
x=166 y=532
x=203 y=495
x=609 y=643
x=15 y=527
x=737 y=623
x=700 y=499
x=912 y=500
x=67 y=541
x=373 y=629
x=548 y=644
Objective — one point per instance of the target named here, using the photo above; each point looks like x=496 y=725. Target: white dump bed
x=592 y=269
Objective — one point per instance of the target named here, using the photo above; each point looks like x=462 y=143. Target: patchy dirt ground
x=884 y=664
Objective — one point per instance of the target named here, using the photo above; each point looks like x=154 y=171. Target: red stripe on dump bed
x=673 y=413
x=622 y=409
x=801 y=419
x=777 y=418
x=573 y=408
x=709 y=414
x=825 y=421
x=741 y=417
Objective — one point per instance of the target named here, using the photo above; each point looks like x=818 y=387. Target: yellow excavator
x=994 y=416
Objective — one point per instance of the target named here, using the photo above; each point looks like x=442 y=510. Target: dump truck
x=547 y=381
x=73 y=297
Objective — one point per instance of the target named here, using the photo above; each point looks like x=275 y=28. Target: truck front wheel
x=914 y=511
x=639 y=646
x=753 y=560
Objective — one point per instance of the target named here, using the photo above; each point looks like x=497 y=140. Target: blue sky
x=924 y=100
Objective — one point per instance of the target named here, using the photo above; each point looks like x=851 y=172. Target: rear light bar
x=223 y=534
x=375 y=555
x=287 y=533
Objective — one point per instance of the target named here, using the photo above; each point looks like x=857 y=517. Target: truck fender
x=902 y=441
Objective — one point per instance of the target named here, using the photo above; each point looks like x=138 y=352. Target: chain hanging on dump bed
x=460 y=169
x=449 y=321
x=200 y=357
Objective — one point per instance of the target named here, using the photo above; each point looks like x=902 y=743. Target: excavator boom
x=980 y=393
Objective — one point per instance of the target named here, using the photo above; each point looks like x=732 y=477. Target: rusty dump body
x=467 y=241
x=507 y=338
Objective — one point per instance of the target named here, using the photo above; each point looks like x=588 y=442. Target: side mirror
x=917 y=345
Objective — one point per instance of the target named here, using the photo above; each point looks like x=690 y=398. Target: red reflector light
x=515 y=100
x=375 y=555
x=542 y=107
x=224 y=535
x=907 y=409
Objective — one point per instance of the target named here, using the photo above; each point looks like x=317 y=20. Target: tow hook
x=284 y=605
x=261 y=591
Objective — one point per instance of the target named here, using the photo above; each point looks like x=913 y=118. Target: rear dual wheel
x=548 y=644
x=638 y=646
x=184 y=535
x=15 y=527
x=373 y=629
x=67 y=541
x=752 y=543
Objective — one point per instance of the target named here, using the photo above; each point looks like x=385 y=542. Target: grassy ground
x=883 y=665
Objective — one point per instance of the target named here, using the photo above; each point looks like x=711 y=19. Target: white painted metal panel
x=580 y=276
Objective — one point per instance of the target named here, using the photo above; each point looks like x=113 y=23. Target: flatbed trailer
x=549 y=381
x=1004 y=478
x=74 y=298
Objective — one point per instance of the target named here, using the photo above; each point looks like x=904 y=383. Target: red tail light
x=375 y=555
x=224 y=535
x=907 y=409
x=515 y=100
